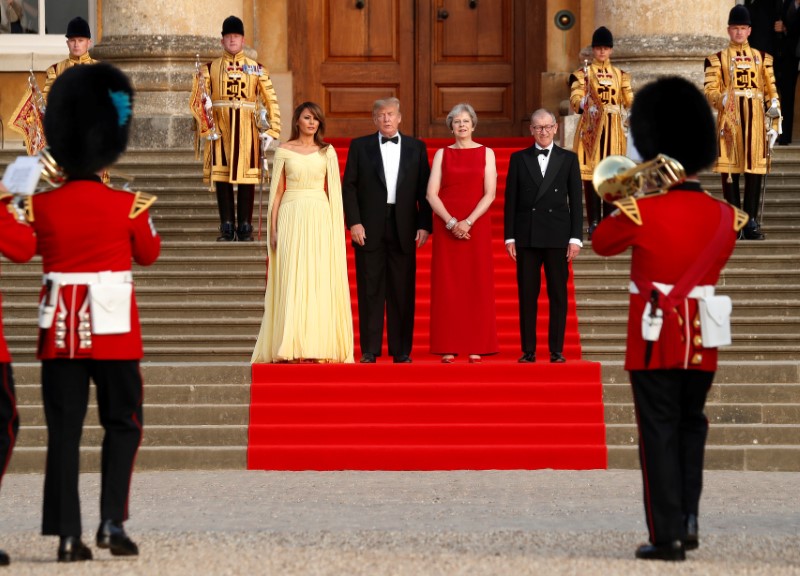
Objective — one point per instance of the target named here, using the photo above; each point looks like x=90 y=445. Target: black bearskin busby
x=602 y=37
x=232 y=25
x=739 y=16
x=78 y=28
x=671 y=116
x=88 y=117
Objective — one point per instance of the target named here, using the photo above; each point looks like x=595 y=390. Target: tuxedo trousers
x=386 y=277
x=65 y=393
x=672 y=438
x=9 y=417
x=530 y=262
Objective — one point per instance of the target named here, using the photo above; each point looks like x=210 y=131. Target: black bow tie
x=543 y=151
x=394 y=139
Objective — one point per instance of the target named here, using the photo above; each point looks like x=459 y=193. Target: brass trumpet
x=617 y=177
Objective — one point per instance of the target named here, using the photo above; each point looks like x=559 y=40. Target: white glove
x=266 y=140
x=584 y=101
x=772 y=135
x=774 y=109
x=724 y=100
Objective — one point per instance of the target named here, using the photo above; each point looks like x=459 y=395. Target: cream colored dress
x=307 y=312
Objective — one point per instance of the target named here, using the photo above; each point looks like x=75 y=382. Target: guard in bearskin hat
x=225 y=102
x=88 y=234
x=680 y=242
x=18 y=244
x=740 y=85
x=601 y=94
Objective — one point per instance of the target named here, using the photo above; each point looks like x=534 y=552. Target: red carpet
x=430 y=416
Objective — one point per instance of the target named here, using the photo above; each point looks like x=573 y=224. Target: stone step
x=744 y=458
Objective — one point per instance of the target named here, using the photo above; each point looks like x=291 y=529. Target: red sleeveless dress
x=463 y=317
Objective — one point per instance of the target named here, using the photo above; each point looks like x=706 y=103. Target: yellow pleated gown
x=307 y=312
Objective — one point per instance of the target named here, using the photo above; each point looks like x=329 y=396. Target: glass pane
x=58 y=13
x=19 y=16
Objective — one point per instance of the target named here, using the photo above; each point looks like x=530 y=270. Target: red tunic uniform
x=671 y=231
x=72 y=239
x=18 y=244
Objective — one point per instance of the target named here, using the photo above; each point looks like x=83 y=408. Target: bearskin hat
x=739 y=16
x=78 y=27
x=602 y=37
x=232 y=25
x=88 y=117
x=671 y=116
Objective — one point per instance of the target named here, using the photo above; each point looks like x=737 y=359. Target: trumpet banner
x=198 y=109
x=591 y=123
x=27 y=121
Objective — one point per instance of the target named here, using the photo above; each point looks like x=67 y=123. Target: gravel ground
x=398 y=523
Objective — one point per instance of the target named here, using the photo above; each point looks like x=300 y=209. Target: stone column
x=155 y=44
x=654 y=38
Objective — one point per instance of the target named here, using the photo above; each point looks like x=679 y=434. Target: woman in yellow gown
x=307 y=314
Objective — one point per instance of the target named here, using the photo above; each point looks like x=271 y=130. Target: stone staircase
x=201 y=305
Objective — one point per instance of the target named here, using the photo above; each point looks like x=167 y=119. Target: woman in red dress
x=461 y=189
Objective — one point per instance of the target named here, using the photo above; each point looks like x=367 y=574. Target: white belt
x=749 y=93
x=697 y=292
x=72 y=278
x=612 y=109
x=235 y=104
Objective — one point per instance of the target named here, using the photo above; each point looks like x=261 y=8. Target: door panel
x=471 y=60
x=362 y=54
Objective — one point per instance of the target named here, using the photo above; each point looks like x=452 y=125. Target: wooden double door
x=431 y=54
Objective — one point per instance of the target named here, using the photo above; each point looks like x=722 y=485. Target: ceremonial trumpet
x=617 y=177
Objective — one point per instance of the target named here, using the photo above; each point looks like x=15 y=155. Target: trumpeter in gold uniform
x=602 y=100
x=740 y=85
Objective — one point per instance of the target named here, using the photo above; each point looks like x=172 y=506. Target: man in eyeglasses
x=600 y=93
x=543 y=213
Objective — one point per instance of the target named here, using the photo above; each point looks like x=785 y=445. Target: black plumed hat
x=671 y=116
x=739 y=16
x=88 y=117
x=602 y=37
x=78 y=28
x=232 y=25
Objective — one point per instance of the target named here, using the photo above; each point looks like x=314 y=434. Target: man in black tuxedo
x=543 y=213
x=385 y=181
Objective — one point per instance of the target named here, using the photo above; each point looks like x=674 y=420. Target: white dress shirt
x=390 y=152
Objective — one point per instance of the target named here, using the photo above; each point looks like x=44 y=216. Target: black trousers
x=529 y=280
x=386 y=276
x=672 y=438
x=9 y=418
x=65 y=393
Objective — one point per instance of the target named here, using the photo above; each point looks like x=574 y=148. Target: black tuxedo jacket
x=364 y=190
x=543 y=211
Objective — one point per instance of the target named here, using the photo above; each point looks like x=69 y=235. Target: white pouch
x=110 y=307
x=715 y=320
x=651 y=325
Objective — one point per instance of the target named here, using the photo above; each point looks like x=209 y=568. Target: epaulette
x=630 y=208
x=141 y=202
x=740 y=218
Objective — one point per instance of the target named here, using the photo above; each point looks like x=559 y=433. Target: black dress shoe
x=672 y=552
x=691 y=542
x=4 y=559
x=227 y=232
x=71 y=549
x=590 y=229
x=112 y=535
x=367 y=358
x=402 y=359
x=557 y=358
x=527 y=358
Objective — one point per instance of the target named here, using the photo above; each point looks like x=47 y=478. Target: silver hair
x=541 y=112
x=458 y=109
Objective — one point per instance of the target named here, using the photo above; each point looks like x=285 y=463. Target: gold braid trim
x=630 y=208
x=740 y=218
x=141 y=202
x=29 y=208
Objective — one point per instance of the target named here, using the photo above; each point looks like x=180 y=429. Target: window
x=40 y=16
